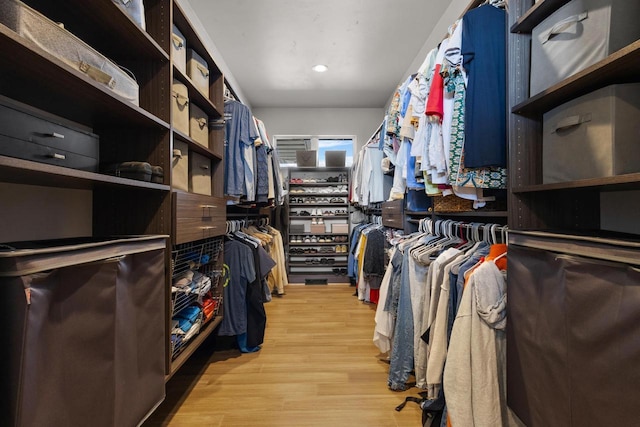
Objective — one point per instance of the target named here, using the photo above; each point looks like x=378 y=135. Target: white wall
x=361 y=122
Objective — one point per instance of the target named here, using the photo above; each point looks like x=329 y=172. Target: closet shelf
x=311 y=217
x=307 y=194
x=622 y=66
x=316 y=264
x=310 y=272
x=21 y=171
x=538 y=12
x=316 y=184
x=417 y=213
x=321 y=254
x=117 y=37
x=614 y=183
x=318 y=244
x=309 y=233
x=196 y=97
x=490 y=214
x=32 y=72
x=194 y=146
x=317 y=205
x=193 y=344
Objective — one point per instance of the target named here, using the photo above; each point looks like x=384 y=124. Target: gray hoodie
x=475 y=371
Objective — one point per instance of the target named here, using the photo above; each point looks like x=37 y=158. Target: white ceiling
x=270 y=46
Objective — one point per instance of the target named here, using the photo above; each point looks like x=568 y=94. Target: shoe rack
x=318 y=225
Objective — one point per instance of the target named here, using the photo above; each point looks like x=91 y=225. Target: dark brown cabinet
x=567 y=273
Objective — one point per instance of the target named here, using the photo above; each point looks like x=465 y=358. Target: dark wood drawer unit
x=197 y=217
x=31 y=134
x=393 y=214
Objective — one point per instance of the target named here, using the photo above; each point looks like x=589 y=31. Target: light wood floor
x=317 y=367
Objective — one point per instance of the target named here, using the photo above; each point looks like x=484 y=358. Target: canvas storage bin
x=296 y=228
x=579 y=34
x=198 y=71
x=57 y=41
x=318 y=228
x=199 y=174
x=84 y=331
x=593 y=136
x=179 y=49
x=198 y=125
x=180 y=165
x=573 y=323
x=135 y=9
x=180 y=107
x=339 y=228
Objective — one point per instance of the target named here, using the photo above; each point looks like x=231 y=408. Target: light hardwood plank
x=317 y=367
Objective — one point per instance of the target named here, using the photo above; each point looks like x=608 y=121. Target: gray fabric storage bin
x=135 y=9
x=179 y=50
x=573 y=330
x=180 y=166
x=84 y=331
x=198 y=71
x=52 y=38
x=578 y=35
x=199 y=174
x=198 y=125
x=593 y=136
x=180 y=107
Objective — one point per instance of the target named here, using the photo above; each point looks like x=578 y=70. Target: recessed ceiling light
x=319 y=68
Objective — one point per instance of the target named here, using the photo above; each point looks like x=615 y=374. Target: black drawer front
x=39 y=153
x=20 y=127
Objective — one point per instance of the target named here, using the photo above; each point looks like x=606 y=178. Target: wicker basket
x=451 y=203
x=454 y=203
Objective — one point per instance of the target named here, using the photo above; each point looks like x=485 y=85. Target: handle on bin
x=205 y=167
x=181 y=99
x=55 y=135
x=58 y=156
x=564 y=25
x=203 y=70
x=177 y=41
x=572 y=121
x=202 y=122
x=177 y=153
x=96 y=74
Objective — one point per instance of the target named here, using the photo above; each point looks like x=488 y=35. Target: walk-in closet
x=319 y=213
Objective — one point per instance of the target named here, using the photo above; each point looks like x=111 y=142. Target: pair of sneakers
x=317 y=221
x=341 y=249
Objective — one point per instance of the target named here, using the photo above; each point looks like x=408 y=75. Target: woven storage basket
x=454 y=203
x=451 y=203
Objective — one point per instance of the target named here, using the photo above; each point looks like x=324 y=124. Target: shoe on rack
x=307 y=239
x=314 y=239
x=320 y=221
x=314 y=221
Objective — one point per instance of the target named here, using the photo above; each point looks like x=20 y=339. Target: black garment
x=373 y=266
x=256 y=315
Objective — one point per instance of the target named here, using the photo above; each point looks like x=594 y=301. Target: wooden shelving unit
x=303 y=187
